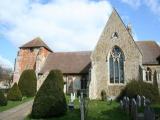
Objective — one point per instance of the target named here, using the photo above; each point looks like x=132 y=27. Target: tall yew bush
x=50 y=100
x=28 y=83
x=14 y=93
x=3 y=99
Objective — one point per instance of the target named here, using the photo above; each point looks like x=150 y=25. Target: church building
x=116 y=60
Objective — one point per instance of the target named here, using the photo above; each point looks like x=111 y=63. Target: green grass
x=12 y=104
x=101 y=110
x=97 y=110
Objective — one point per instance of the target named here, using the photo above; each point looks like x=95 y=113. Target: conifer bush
x=14 y=93
x=50 y=100
x=28 y=83
x=3 y=99
x=141 y=88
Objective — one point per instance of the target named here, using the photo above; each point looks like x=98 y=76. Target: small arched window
x=116 y=65
x=148 y=74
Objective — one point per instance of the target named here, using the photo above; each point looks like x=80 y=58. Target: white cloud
x=4 y=62
x=133 y=3
x=63 y=24
x=153 y=5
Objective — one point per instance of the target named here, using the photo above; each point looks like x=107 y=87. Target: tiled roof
x=68 y=62
x=37 y=42
x=150 y=51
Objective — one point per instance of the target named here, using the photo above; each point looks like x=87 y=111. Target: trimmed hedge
x=28 y=83
x=3 y=99
x=50 y=100
x=141 y=88
x=14 y=93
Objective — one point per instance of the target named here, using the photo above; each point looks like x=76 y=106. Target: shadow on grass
x=70 y=115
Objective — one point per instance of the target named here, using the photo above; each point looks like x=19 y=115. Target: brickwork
x=29 y=58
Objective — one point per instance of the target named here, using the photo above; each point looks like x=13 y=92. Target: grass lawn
x=97 y=110
x=12 y=104
x=101 y=110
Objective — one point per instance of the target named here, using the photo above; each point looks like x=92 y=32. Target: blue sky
x=70 y=25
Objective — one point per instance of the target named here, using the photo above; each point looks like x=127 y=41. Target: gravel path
x=17 y=113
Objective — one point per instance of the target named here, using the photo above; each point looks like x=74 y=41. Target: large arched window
x=116 y=65
x=148 y=74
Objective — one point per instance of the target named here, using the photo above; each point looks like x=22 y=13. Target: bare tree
x=6 y=75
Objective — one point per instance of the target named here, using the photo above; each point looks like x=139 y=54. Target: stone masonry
x=100 y=55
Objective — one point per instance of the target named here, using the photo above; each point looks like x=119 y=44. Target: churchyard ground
x=12 y=104
x=97 y=110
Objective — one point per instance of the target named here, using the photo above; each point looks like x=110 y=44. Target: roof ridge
x=72 y=51
x=146 y=41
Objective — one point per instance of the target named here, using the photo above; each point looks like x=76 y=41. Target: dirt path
x=17 y=113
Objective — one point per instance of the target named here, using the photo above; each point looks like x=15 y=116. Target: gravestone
x=148 y=113
x=73 y=97
x=109 y=100
x=134 y=109
x=127 y=105
x=82 y=106
x=147 y=102
x=121 y=105
x=143 y=102
x=138 y=100
x=124 y=102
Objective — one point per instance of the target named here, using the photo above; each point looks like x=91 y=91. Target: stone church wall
x=155 y=72
x=100 y=63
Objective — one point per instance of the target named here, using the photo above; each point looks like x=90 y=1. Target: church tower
x=31 y=55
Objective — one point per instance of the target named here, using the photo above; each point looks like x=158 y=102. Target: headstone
x=148 y=113
x=82 y=106
x=138 y=101
x=109 y=100
x=134 y=109
x=121 y=104
x=127 y=105
x=124 y=102
x=143 y=102
x=147 y=102
x=73 y=97
x=124 y=98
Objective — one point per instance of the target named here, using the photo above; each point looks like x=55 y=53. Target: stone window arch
x=148 y=74
x=116 y=65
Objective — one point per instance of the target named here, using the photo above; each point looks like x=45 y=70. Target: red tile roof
x=37 y=42
x=150 y=51
x=68 y=62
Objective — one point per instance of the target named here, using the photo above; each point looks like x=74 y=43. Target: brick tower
x=31 y=55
